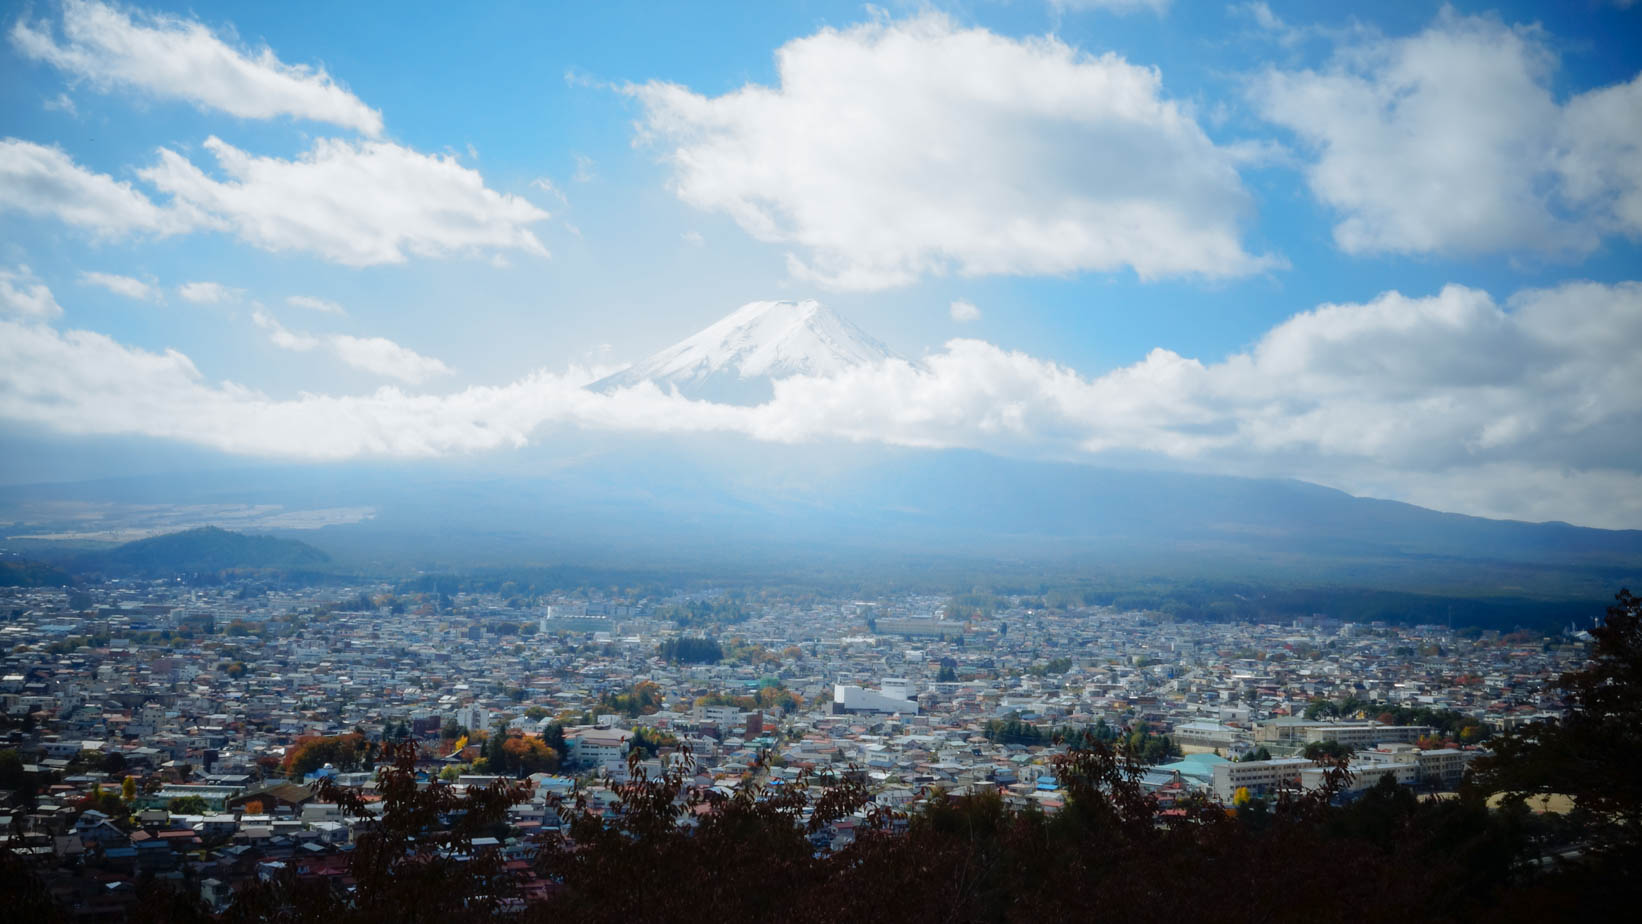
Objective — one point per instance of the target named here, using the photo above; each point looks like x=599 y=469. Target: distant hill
x=208 y=549
x=716 y=508
x=21 y=573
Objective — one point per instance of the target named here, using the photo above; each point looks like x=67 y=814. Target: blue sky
x=531 y=190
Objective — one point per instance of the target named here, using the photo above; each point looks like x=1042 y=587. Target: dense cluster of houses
x=149 y=728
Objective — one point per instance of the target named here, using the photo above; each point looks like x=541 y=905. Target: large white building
x=1355 y=734
x=1365 y=775
x=472 y=717
x=1205 y=735
x=597 y=747
x=1445 y=765
x=1257 y=776
x=894 y=697
x=1366 y=734
x=1408 y=766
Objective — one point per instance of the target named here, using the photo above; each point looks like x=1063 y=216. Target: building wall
x=1258 y=776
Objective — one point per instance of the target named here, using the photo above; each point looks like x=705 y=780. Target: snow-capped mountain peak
x=738 y=357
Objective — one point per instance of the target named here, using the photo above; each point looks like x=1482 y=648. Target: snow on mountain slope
x=736 y=359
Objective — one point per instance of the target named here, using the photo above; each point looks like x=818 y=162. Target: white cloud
x=315 y=304
x=385 y=358
x=1398 y=397
x=964 y=312
x=1601 y=164
x=44 y=181
x=376 y=355
x=357 y=204
x=1525 y=409
x=1450 y=141
x=100 y=386
x=207 y=293
x=693 y=238
x=61 y=103
x=173 y=57
x=280 y=337
x=897 y=150
x=21 y=294
x=122 y=285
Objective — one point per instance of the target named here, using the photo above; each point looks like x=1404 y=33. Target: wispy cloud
x=376 y=355
x=548 y=186
x=381 y=356
x=279 y=336
x=208 y=293
x=315 y=304
x=587 y=169
x=128 y=286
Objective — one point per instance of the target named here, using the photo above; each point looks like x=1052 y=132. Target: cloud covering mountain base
x=1455 y=400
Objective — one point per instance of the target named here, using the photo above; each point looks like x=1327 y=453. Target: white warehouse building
x=893 y=697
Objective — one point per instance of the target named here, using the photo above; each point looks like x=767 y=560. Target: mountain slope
x=736 y=359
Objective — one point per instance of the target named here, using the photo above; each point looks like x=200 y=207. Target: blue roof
x=1194 y=769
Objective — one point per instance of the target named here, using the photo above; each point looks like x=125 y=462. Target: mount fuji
x=737 y=359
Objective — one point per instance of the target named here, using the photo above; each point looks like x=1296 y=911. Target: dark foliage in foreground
x=673 y=852
x=1593 y=754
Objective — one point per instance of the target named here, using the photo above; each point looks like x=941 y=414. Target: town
x=161 y=731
